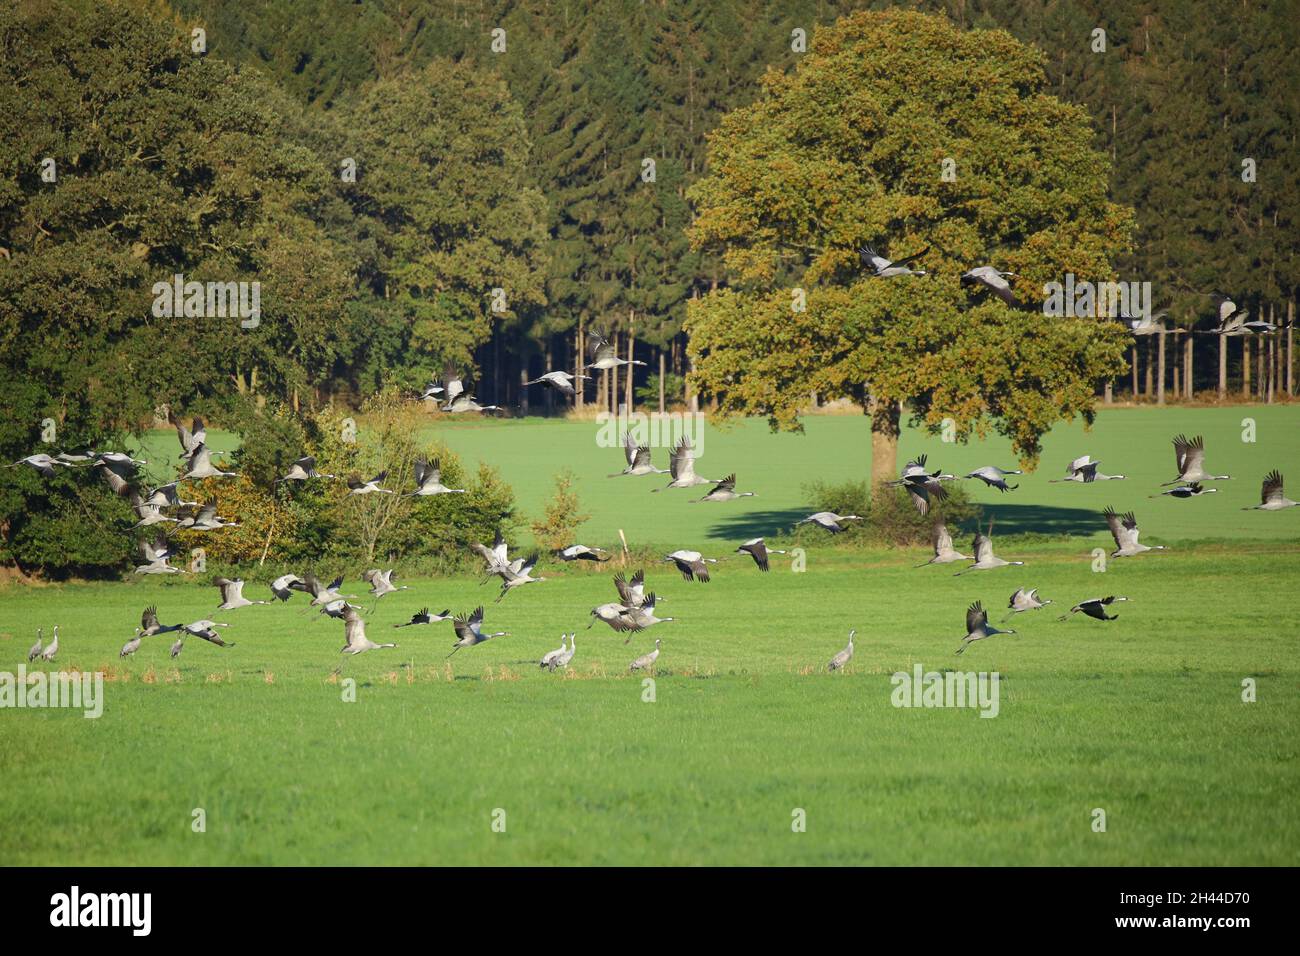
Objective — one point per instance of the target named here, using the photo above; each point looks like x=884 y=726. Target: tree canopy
x=849 y=149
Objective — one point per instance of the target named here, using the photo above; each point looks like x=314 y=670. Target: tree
x=850 y=149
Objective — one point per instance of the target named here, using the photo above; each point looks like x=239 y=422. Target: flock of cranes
x=636 y=609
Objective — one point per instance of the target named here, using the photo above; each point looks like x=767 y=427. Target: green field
x=1129 y=441
x=1142 y=717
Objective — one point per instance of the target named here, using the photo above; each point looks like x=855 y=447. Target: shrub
x=563 y=515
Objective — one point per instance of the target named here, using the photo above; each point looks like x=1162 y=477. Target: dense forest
x=1180 y=95
x=487 y=183
x=548 y=127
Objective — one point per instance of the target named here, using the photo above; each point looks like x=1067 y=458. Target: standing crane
x=843 y=657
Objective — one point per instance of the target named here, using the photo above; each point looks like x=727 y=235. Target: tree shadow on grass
x=1008 y=518
x=755 y=524
x=1042 y=519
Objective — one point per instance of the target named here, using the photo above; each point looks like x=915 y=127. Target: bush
x=563 y=515
x=890 y=517
x=304 y=525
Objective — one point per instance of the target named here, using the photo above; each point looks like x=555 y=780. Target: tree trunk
x=1189 y=381
x=550 y=367
x=523 y=388
x=1290 y=347
x=580 y=386
x=661 y=381
x=1178 y=368
x=1223 y=367
x=631 y=347
x=1133 y=359
x=1160 y=367
x=1260 y=384
x=884 y=441
x=1108 y=393
x=1245 y=367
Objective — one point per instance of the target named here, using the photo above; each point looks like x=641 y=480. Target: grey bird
x=466 y=403
x=692 y=565
x=513 y=578
x=1084 y=470
x=498 y=558
x=43 y=464
x=354 y=631
x=206 y=519
x=469 y=631
x=681 y=465
x=149 y=624
x=130 y=647
x=303 y=469
x=338 y=609
x=725 y=490
x=35 y=652
x=1024 y=600
x=944 y=552
x=1095 y=608
x=358 y=487
x=580 y=552
x=843 y=657
x=428 y=480
x=52 y=648
x=631 y=593
x=757 y=549
x=566 y=656
x=284 y=586
x=323 y=594
x=562 y=382
x=978 y=626
x=996 y=282
x=645 y=661
x=424 y=617
x=550 y=657
x=882 y=268
x=199 y=466
x=643 y=617
x=995 y=477
x=985 y=559
x=206 y=629
x=922 y=485
x=168 y=496
x=1271 y=496
x=232 y=594
x=191 y=438
x=1124 y=529
x=638 y=459
x=602 y=354
x=156 y=553
x=381 y=583
x=1194 y=490
x=1189 y=456
x=829 y=520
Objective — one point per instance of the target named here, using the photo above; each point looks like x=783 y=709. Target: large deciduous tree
x=850 y=148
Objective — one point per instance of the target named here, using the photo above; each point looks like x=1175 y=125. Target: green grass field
x=1142 y=717
x=1129 y=441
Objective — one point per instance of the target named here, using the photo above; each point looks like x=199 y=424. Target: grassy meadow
x=1142 y=717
